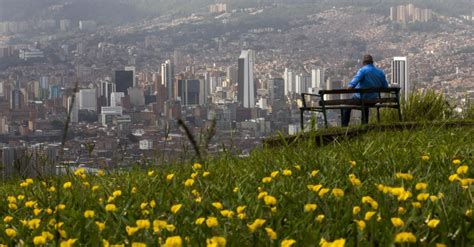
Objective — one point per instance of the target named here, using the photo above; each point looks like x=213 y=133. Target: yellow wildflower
x=217 y=205
x=353 y=163
x=456 y=162
x=10 y=232
x=371 y=201
x=227 y=213
x=287 y=243
x=176 y=208
x=462 y=169
x=262 y=195
x=138 y=244
x=200 y=220
x=421 y=186
x=397 y=222
x=320 y=218
x=338 y=193
x=68 y=243
x=274 y=174
x=174 y=241
x=89 y=213
x=205 y=174
x=355 y=210
x=336 y=243
x=271 y=234
x=360 y=224
x=405 y=237
x=314 y=173
x=151 y=173
x=110 y=208
x=131 y=230
x=143 y=224
x=189 y=182
x=212 y=222
x=216 y=242
x=468 y=213
x=67 y=185
x=117 y=193
x=240 y=209
x=369 y=215
x=425 y=157
x=197 y=166
x=433 y=223
x=39 y=240
x=169 y=177
x=158 y=225
x=256 y=224
x=416 y=204
x=323 y=192
x=100 y=225
x=354 y=180
x=422 y=196
x=310 y=207
x=270 y=200
x=7 y=219
x=453 y=177
x=287 y=173
x=194 y=174
x=404 y=176
x=401 y=210
x=266 y=179
x=314 y=188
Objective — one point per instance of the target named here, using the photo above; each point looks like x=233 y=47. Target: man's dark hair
x=368 y=60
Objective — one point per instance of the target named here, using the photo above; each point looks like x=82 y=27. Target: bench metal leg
x=302 y=119
x=399 y=113
x=325 y=118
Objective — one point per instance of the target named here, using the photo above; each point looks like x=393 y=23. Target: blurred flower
x=274 y=174
x=174 y=241
x=216 y=242
x=310 y=207
x=212 y=222
x=256 y=224
x=100 y=225
x=405 y=237
x=397 y=222
x=197 y=166
x=10 y=232
x=462 y=169
x=176 y=208
x=338 y=193
x=68 y=243
x=404 y=176
x=314 y=173
x=170 y=177
x=323 y=192
x=67 y=185
x=422 y=196
x=369 y=215
x=320 y=218
x=227 y=213
x=360 y=224
x=287 y=243
x=352 y=163
x=143 y=224
x=421 y=186
x=205 y=174
x=425 y=157
x=433 y=223
x=355 y=210
x=217 y=205
x=270 y=200
x=39 y=240
x=189 y=182
x=200 y=220
x=271 y=234
x=131 y=230
x=354 y=180
x=89 y=214
x=110 y=208
x=287 y=173
x=266 y=179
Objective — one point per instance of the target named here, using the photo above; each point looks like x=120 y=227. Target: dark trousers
x=346 y=116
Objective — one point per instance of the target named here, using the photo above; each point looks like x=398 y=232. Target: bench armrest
x=303 y=98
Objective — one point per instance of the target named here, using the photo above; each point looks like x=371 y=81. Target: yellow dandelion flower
x=323 y=192
x=216 y=242
x=355 y=210
x=197 y=166
x=360 y=224
x=68 y=243
x=10 y=232
x=314 y=188
x=266 y=179
x=39 y=240
x=401 y=210
x=271 y=233
x=189 y=182
x=217 y=205
x=270 y=200
x=456 y=162
x=143 y=224
x=274 y=174
x=416 y=204
x=320 y=218
x=262 y=195
x=170 y=177
x=205 y=174
x=7 y=219
x=117 y=193
x=100 y=225
x=433 y=223
x=67 y=185
x=453 y=177
x=310 y=207
x=421 y=186
x=405 y=237
x=404 y=176
x=314 y=173
x=200 y=221
x=397 y=222
x=110 y=208
x=287 y=243
x=354 y=180
x=194 y=174
x=369 y=215
x=227 y=213
x=212 y=222
x=468 y=213
x=138 y=244
x=176 y=208
x=131 y=230
x=425 y=157
x=89 y=214
x=462 y=169
x=338 y=193
x=256 y=224
x=352 y=163
x=297 y=167
x=174 y=241
x=287 y=173
x=422 y=196
x=240 y=209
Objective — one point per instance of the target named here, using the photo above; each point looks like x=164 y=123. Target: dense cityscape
x=232 y=74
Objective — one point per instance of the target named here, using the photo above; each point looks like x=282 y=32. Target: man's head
x=367 y=59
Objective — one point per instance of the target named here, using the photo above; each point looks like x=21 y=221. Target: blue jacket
x=368 y=77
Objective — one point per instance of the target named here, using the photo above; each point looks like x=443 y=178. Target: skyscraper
x=167 y=77
x=276 y=90
x=400 y=75
x=87 y=99
x=317 y=78
x=106 y=88
x=289 y=78
x=246 y=84
x=123 y=80
x=132 y=68
x=189 y=91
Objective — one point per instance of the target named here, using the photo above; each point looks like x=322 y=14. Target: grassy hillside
x=381 y=188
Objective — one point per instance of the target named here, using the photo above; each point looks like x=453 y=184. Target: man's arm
x=357 y=78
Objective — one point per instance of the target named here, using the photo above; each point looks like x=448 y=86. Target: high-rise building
x=231 y=74
x=276 y=90
x=17 y=99
x=317 y=78
x=54 y=91
x=137 y=96
x=106 y=89
x=246 y=84
x=123 y=80
x=73 y=108
x=132 y=68
x=289 y=78
x=116 y=99
x=87 y=99
x=189 y=92
x=167 y=77
x=400 y=75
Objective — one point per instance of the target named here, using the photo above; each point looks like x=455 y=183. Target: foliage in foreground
x=379 y=189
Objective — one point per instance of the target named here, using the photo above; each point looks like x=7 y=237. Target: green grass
x=378 y=155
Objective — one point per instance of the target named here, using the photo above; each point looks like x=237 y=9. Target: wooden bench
x=386 y=98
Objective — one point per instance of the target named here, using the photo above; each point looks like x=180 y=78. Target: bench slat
x=361 y=90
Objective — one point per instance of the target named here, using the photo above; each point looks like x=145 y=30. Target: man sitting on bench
x=367 y=77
